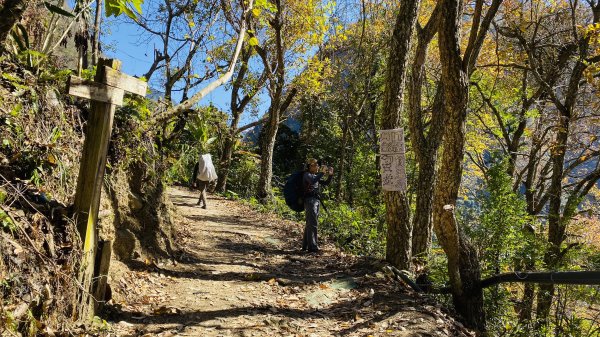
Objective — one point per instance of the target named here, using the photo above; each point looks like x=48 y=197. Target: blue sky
x=121 y=40
x=124 y=44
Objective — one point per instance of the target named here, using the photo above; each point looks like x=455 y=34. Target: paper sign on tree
x=393 y=161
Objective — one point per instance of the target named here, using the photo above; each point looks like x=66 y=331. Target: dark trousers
x=202 y=187
x=311 y=209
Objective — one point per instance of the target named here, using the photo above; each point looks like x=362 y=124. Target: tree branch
x=212 y=86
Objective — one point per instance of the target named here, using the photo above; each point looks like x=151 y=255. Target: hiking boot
x=204 y=207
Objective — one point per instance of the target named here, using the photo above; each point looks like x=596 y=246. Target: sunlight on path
x=241 y=274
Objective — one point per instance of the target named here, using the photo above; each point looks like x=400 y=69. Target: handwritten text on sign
x=393 y=161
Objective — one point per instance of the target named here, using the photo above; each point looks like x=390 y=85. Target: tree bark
x=463 y=262
x=422 y=225
x=225 y=163
x=237 y=109
x=425 y=145
x=556 y=224
x=266 y=164
x=341 y=168
x=277 y=83
x=96 y=36
x=558 y=215
x=399 y=231
x=189 y=103
x=10 y=14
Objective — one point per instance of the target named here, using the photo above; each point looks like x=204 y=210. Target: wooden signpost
x=106 y=93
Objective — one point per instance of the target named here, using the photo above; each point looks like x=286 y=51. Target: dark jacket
x=312 y=184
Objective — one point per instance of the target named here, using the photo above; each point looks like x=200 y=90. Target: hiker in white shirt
x=203 y=175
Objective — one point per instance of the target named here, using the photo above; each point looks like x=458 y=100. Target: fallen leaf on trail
x=323 y=286
x=272 y=281
x=166 y=310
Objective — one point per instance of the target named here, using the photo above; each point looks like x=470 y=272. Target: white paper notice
x=393 y=160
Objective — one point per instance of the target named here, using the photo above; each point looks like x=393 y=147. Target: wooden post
x=106 y=93
x=101 y=273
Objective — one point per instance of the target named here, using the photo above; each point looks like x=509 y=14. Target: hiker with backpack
x=312 y=181
x=204 y=173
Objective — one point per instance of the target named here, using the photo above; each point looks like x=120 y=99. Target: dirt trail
x=242 y=275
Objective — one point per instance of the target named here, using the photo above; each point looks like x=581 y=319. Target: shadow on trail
x=344 y=311
x=295 y=271
x=230 y=220
x=266 y=251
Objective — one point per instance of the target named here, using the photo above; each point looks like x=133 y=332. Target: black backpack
x=293 y=191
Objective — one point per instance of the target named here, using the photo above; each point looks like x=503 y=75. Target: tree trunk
x=237 y=108
x=424 y=146
x=470 y=302
x=556 y=225
x=422 y=225
x=10 y=14
x=264 y=192
x=349 y=183
x=398 y=247
x=525 y=308
x=375 y=190
x=225 y=164
x=463 y=262
x=399 y=231
x=342 y=161
x=96 y=35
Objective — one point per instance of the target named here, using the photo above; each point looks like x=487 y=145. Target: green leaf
x=118 y=7
x=21 y=38
x=25 y=36
x=138 y=5
x=16 y=111
x=18 y=41
x=57 y=10
x=256 y=12
x=253 y=41
x=129 y=12
x=35 y=53
x=112 y=9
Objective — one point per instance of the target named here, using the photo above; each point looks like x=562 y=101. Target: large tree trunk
x=276 y=86
x=425 y=146
x=399 y=242
x=422 y=225
x=10 y=14
x=560 y=214
x=398 y=247
x=556 y=225
x=463 y=262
